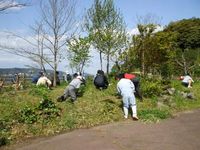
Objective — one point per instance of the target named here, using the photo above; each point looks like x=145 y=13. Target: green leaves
x=188 y=32
x=27 y=115
x=106 y=28
x=153 y=115
x=78 y=52
x=45 y=110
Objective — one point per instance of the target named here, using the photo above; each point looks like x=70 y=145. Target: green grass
x=22 y=115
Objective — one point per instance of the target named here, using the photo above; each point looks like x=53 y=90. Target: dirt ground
x=179 y=133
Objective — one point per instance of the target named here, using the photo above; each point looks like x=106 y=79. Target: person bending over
x=126 y=89
x=100 y=80
x=71 y=89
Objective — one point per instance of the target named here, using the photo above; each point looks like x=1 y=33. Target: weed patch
x=153 y=115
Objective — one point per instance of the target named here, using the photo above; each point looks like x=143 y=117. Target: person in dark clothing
x=100 y=80
x=68 y=78
x=57 y=78
x=35 y=78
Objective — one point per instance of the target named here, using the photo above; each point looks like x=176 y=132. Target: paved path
x=179 y=133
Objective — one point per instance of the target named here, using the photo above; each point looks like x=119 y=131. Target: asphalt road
x=179 y=133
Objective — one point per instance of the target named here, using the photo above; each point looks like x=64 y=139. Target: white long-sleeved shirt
x=125 y=86
x=76 y=83
x=43 y=81
x=186 y=79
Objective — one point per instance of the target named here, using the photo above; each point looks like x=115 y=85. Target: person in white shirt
x=43 y=80
x=126 y=89
x=187 y=81
x=71 y=89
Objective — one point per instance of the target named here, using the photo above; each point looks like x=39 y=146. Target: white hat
x=79 y=77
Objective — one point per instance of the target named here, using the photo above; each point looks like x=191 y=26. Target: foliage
x=175 y=50
x=95 y=107
x=188 y=42
x=151 y=87
x=153 y=115
x=143 y=44
x=106 y=28
x=163 y=53
x=79 y=52
x=47 y=109
x=5 y=127
x=41 y=91
x=188 y=31
x=27 y=115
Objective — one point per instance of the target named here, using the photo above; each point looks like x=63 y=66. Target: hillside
x=28 y=71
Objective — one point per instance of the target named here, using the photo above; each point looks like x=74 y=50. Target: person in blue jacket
x=35 y=78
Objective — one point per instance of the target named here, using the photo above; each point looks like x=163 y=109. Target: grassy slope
x=93 y=108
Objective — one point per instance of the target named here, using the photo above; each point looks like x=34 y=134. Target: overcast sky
x=19 y=21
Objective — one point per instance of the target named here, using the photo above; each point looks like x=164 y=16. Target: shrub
x=27 y=115
x=4 y=132
x=47 y=109
x=41 y=91
x=44 y=111
x=151 y=87
x=3 y=141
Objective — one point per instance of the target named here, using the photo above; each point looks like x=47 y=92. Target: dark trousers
x=138 y=93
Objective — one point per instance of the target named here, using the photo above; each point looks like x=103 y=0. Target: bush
x=47 y=109
x=44 y=111
x=41 y=91
x=3 y=141
x=151 y=87
x=4 y=128
x=27 y=115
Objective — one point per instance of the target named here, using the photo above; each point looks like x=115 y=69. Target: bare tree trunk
x=117 y=66
x=108 y=64
x=82 y=65
x=101 y=62
x=143 y=63
x=54 y=71
x=58 y=17
x=184 y=64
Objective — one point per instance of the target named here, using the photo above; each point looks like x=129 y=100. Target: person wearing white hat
x=43 y=80
x=71 y=89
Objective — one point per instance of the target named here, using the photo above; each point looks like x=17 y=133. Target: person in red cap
x=136 y=83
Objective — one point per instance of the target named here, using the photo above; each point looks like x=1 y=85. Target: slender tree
x=106 y=27
x=59 y=18
x=78 y=52
x=146 y=26
x=94 y=23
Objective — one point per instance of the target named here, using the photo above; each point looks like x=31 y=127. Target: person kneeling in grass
x=126 y=89
x=43 y=80
x=187 y=81
x=71 y=89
